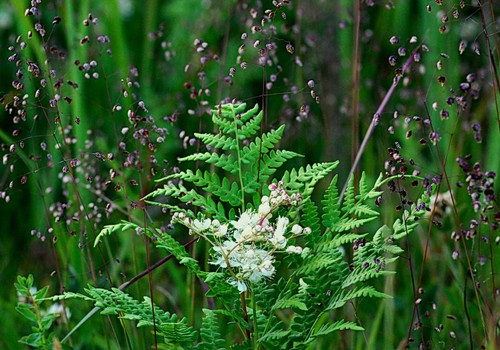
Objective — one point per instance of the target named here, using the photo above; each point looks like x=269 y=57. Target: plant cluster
x=243 y=246
x=126 y=139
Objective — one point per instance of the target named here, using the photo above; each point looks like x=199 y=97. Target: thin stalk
x=240 y=169
x=415 y=309
x=245 y=314
x=150 y=280
x=463 y=240
x=126 y=285
x=493 y=68
x=376 y=118
x=255 y=326
x=355 y=73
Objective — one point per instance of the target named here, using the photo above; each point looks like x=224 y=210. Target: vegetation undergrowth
x=180 y=182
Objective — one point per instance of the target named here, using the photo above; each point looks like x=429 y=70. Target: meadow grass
x=172 y=61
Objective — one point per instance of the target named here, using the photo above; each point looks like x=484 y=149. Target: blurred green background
x=122 y=74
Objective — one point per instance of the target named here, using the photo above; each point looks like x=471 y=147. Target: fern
x=293 y=311
x=304 y=179
x=251 y=165
x=175 y=331
x=210 y=334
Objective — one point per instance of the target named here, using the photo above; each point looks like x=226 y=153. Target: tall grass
x=94 y=172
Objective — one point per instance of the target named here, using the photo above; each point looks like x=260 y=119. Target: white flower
x=199 y=226
x=246 y=219
x=228 y=252
x=264 y=209
x=242 y=287
x=246 y=246
x=278 y=240
x=221 y=231
x=294 y=249
x=258 y=265
x=247 y=233
x=267 y=268
x=281 y=225
x=296 y=229
x=57 y=308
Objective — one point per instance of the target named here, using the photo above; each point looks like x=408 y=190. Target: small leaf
x=26 y=311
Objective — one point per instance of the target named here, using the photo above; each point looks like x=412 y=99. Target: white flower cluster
x=246 y=247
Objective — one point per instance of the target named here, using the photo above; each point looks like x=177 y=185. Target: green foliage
x=69 y=204
x=210 y=333
x=30 y=307
x=249 y=161
x=176 y=332
x=303 y=290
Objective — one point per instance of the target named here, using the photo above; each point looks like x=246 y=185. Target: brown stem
x=126 y=285
x=245 y=314
x=375 y=120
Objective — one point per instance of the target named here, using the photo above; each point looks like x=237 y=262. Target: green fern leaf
x=363 y=185
x=319 y=261
x=292 y=302
x=217 y=141
x=225 y=161
x=349 y=198
x=305 y=179
x=343 y=297
x=310 y=218
x=361 y=210
x=340 y=239
x=364 y=274
x=350 y=224
x=331 y=206
x=116 y=302
x=210 y=334
x=275 y=336
x=335 y=327
x=251 y=124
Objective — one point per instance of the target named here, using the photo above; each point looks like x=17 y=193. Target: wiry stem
x=245 y=314
x=375 y=119
x=493 y=68
x=126 y=285
x=240 y=170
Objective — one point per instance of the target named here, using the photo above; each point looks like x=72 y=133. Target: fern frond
x=250 y=125
x=335 y=327
x=110 y=229
x=263 y=145
x=340 y=239
x=349 y=224
x=181 y=193
x=276 y=337
x=209 y=331
x=310 y=218
x=343 y=297
x=349 y=197
x=231 y=313
x=217 y=141
x=306 y=178
x=291 y=302
x=116 y=302
x=225 y=161
x=274 y=160
x=363 y=185
x=364 y=275
x=363 y=210
x=319 y=261
x=331 y=206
